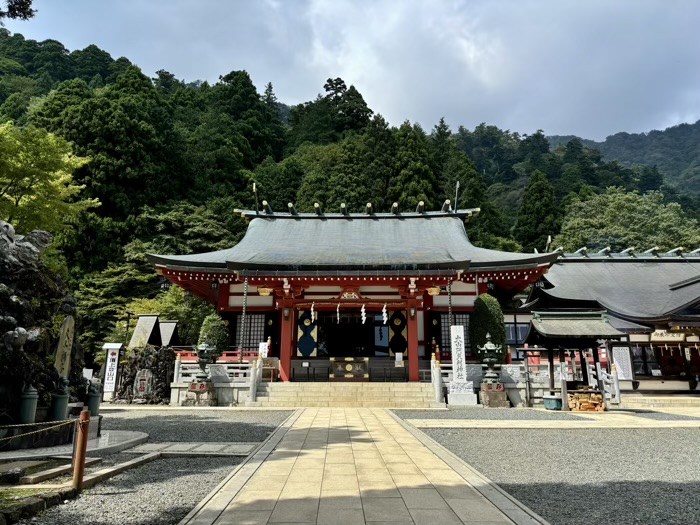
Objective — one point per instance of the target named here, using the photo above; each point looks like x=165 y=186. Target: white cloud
x=591 y=68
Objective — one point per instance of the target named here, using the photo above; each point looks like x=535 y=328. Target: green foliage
x=673 y=151
x=318 y=163
x=329 y=118
x=103 y=297
x=620 y=220
x=36 y=181
x=277 y=183
x=412 y=180
x=171 y=304
x=214 y=332
x=180 y=228
x=171 y=160
x=17 y=9
x=487 y=318
x=538 y=215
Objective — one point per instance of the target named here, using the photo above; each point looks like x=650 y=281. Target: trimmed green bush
x=487 y=318
x=214 y=332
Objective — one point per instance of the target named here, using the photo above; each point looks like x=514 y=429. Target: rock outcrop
x=33 y=303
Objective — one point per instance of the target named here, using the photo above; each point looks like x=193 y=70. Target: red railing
x=232 y=355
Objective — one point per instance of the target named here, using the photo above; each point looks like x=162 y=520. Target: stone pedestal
x=201 y=395
x=494 y=397
x=461 y=394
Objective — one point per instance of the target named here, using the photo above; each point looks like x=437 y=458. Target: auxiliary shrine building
x=351 y=296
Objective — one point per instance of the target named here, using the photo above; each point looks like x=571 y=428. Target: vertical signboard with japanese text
x=111 y=367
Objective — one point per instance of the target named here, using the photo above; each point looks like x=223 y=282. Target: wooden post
x=413 y=372
x=286 y=339
x=551 y=370
x=598 y=370
x=584 y=366
x=81 y=449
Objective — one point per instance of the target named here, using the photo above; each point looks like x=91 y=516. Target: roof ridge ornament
x=652 y=251
x=582 y=251
x=446 y=206
x=267 y=208
x=421 y=207
x=676 y=251
x=292 y=209
x=317 y=209
x=343 y=208
x=628 y=251
x=395 y=208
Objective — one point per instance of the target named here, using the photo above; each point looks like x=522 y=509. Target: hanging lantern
x=434 y=290
x=265 y=292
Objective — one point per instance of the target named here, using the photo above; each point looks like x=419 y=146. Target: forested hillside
x=674 y=151
x=142 y=165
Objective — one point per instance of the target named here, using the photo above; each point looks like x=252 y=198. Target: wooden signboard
x=621 y=358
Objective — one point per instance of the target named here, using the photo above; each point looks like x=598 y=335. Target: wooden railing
x=188 y=354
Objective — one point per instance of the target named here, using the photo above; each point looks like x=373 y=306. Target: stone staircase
x=381 y=395
x=632 y=401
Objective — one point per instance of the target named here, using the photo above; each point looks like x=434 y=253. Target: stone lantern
x=492 y=393
x=202 y=391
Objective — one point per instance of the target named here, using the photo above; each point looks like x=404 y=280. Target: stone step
x=650 y=401
x=274 y=393
x=367 y=404
x=388 y=395
x=383 y=387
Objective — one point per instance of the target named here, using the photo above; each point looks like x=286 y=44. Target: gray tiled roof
x=635 y=288
x=364 y=243
x=574 y=324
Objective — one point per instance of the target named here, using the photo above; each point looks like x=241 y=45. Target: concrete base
x=204 y=396
x=227 y=394
x=461 y=399
x=494 y=399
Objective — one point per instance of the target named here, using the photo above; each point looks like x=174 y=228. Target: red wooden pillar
x=413 y=373
x=286 y=339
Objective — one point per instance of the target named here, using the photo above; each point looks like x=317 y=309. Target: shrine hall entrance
x=345 y=335
x=345 y=348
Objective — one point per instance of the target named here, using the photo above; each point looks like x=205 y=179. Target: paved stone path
x=196 y=448
x=611 y=419
x=355 y=466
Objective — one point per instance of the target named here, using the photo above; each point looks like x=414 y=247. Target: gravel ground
x=163 y=491
x=159 y=493
x=196 y=425
x=592 y=476
x=495 y=414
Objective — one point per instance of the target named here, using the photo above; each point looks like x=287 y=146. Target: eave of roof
x=574 y=325
x=392 y=243
x=646 y=288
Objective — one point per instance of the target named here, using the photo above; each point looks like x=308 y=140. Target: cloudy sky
x=590 y=68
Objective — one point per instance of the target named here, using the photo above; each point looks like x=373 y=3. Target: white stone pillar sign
x=460 y=391
x=111 y=366
x=459 y=365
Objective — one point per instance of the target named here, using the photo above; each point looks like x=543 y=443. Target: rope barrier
x=35 y=424
x=62 y=424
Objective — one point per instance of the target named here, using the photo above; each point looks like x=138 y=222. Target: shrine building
x=652 y=297
x=350 y=296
